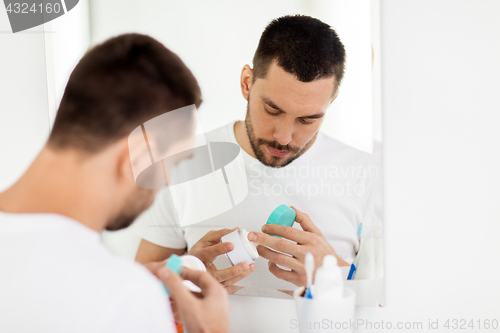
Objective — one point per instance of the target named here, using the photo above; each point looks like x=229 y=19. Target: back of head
x=117 y=86
x=302 y=46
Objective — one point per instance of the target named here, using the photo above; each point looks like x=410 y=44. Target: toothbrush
x=354 y=265
x=309 y=265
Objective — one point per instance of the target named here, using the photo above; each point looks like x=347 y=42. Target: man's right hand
x=207 y=314
x=210 y=247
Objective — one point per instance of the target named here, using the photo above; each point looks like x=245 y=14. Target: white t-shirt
x=331 y=182
x=56 y=276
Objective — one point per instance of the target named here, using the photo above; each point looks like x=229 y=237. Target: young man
x=56 y=274
x=297 y=70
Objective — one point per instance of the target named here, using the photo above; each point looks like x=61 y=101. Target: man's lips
x=277 y=153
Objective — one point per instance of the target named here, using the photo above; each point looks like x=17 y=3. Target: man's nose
x=283 y=131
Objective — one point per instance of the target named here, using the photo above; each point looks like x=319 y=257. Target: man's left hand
x=309 y=239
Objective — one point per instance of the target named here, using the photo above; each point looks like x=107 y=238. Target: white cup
x=324 y=314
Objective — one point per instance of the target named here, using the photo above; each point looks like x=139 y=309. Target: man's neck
x=58 y=184
x=241 y=134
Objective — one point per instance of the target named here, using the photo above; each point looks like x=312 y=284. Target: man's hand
x=209 y=247
x=207 y=313
x=309 y=240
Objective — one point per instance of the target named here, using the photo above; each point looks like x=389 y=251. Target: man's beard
x=134 y=206
x=258 y=146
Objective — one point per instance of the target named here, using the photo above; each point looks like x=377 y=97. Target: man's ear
x=246 y=81
x=336 y=94
x=123 y=165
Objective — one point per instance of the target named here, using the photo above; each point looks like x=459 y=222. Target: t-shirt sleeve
x=159 y=224
x=142 y=309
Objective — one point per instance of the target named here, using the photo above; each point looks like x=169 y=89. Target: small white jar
x=244 y=250
x=176 y=263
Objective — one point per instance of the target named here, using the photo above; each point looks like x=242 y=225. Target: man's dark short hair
x=117 y=86
x=302 y=46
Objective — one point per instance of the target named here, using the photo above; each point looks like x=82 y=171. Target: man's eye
x=305 y=122
x=271 y=113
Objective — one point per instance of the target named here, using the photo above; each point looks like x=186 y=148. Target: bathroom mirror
x=216 y=39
